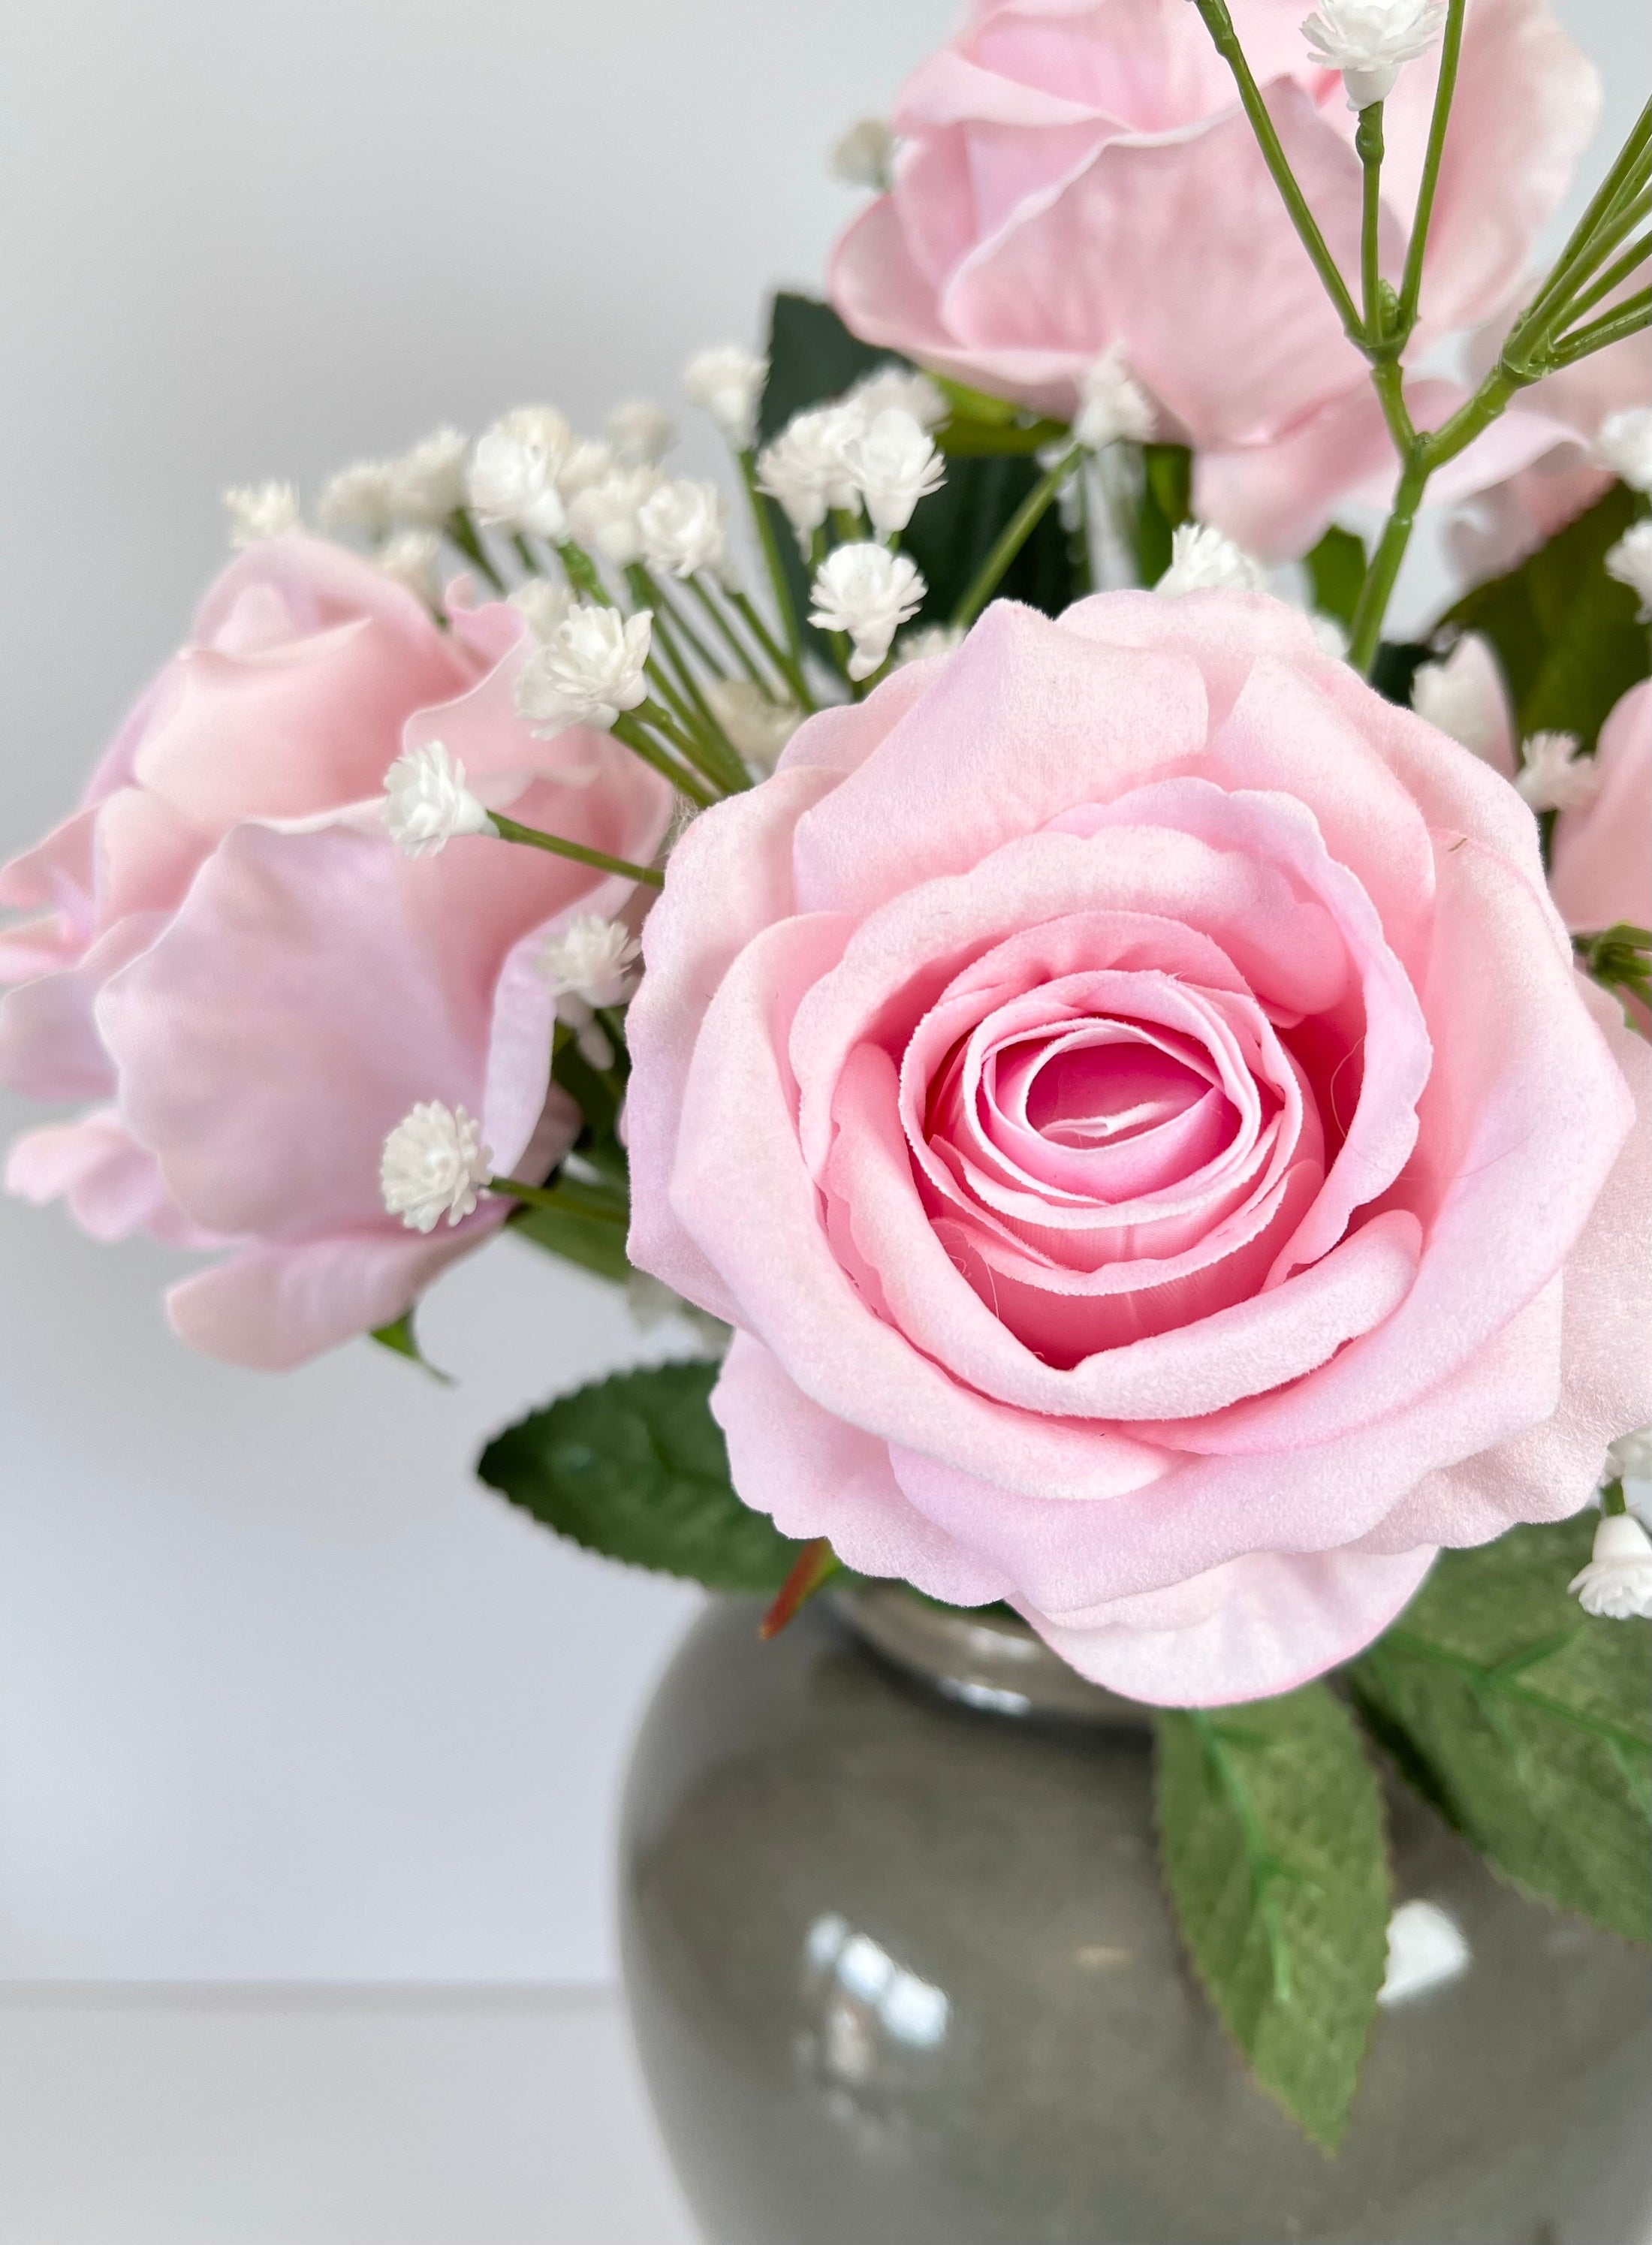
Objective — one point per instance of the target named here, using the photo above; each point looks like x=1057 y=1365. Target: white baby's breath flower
x=512 y=482
x=590 y=668
x=542 y=426
x=426 y=802
x=358 y=498
x=1630 y=562
x=866 y=590
x=727 y=381
x=261 y=510
x=758 y=729
x=901 y=386
x=809 y=469
x=427 y=482
x=1463 y=697
x=1552 y=776
x=410 y=558
x=588 y=964
x=928 y=639
x=1630 y=1457
x=1368 y=40
x=546 y=605
x=1617 y=1582
x=588 y=463
x=863 y=156
x=433 y=1165
x=1111 y=405
x=1205 y=560
x=1623 y=442
x=682 y=528
x=605 y=517
x=894 y=463
x=641 y=432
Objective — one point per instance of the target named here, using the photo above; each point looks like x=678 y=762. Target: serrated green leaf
x=1336 y=570
x=811 y=357
x=635 y=1468
x=1566 y=633
x=1270 y=1825
x=1531 y=1722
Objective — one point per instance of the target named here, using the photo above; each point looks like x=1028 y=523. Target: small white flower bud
x=1111 y=405
x=929 y=640
x=428 y=482
x=590 y=668
x=758 y=729
x=433 y=1165
x=1630 y=1457
x=358 y=498
x=1463 y=696
x=1204 y=561
x=727 y=382
x=682 y=528
x=511 y=481
x=426 y=802
x=1368 y=40
x=901 y=386
x=589 y=463
x=894 y=463
x=1630 y=562
x=591 y=959
x=545 y=605
x=410 y=558
x=1623 y=442
x=1552 y=776
x=808 y=467
x=869 y=592
x=605 y=516
x=864 y=156
x=261 y=510
x=640 y=432
x=1617 y=1582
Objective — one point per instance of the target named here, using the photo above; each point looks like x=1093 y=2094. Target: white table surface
x=312 y=2116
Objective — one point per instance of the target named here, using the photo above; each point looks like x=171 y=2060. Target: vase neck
x=983 y=1658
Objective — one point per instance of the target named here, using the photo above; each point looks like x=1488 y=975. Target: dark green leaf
x=811 y=357
x=1271 y=1827
x=1336 y=570
x=1529 y=1720
x=1619 y=958
x=635 y=1468
x=582 y=1224
x=1565 y=632
x=401 y=1340
x=1166 y=503
x=1396 y=667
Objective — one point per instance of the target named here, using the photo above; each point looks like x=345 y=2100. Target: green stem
x=509 y=831
x=1411 y=280
x=1604 y=283
x=1366 y=630
x=762 y=516
x=1422 y=1648
x=582 y=573
x=1612 y=1499
x=790 y=670
x=1368 y=144
x=1627 y=319
x=525 y=555
x=1220 y=24
x=637 y=741
x=706 y=757
x=1620 y=183
x=725 y=631
x=1013 y=537
x=463 y=532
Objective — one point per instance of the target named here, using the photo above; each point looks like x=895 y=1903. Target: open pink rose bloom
x=1129 y=1089
x=231 y=958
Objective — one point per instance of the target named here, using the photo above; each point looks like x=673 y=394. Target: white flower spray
x=869 y=592
x=434 y=1166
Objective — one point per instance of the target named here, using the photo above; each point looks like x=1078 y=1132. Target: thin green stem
x=1220 y=24
x=1368 y=145
x=1622 y=182
x=706 y=757
x=626 y=729
x=1411 y=279
x=508 y=830
x=1423 y=1648
x=1627 y=319
x=463 y=532
x=582 y=573
x=1366 y=631
x=1013 y=537
x=731 y=638
x=524 y=554
x=1613 y=1502
x=762 y=515
x=1604 y=283
x=791 y=670
x=1390 y=385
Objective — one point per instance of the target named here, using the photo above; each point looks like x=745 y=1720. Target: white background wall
x=283 y=1693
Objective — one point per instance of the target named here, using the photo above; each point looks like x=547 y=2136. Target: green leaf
x=635 y=1468
x=1395 y=670
x=1565 y=632
x=585 y=1225
x=401 y=1340
x=811 y=357
x=1270 y=1825
x=1336 y=570
x=1166 y=503
x=1528 y=1720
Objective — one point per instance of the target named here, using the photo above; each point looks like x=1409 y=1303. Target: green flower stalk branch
x=510 y=829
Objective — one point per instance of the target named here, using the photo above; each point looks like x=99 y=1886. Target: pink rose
x=1077 y=177
x=1600 y=860
x=1128 y=1087
x=232 y=959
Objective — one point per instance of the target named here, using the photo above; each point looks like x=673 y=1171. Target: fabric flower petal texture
x=1128 y=1087
x=255 y=984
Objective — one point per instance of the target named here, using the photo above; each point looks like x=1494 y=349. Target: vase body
x=902 y=1972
